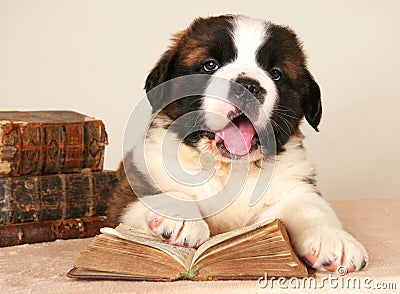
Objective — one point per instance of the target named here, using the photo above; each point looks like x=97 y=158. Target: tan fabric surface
x=41 y=268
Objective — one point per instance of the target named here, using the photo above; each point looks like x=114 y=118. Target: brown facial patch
x=189 y=49
x=204 y=39
x=194 y=54
x=292 y=69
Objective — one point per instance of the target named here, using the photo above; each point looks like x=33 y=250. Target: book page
x=226 y=236
x=182 y=255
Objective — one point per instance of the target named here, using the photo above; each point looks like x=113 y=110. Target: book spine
x=10 y=144
x=73 y=142
x=36 y=148
x=46 y=231
x=52 y=158
x=5 y=195
x=50 y=197
x=30 y=149
x=95 y=141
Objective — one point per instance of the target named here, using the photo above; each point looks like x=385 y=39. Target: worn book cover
x=246 y=253
x=46 y=231
x=49 y=142
x=50 y=197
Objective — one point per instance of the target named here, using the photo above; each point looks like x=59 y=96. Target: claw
x=166 y=235
x=363 y=264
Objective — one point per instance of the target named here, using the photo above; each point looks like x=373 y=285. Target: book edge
x=99 y=275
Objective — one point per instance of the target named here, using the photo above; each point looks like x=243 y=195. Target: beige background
x=93 y=57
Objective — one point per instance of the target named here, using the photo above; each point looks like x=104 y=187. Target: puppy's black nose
x=242 y=84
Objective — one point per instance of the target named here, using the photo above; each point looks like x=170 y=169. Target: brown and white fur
x=247 y=51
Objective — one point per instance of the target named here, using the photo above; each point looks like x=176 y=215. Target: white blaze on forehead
x=248 y=36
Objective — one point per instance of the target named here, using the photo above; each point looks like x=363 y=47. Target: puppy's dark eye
x=276 y=74
x=210 y=65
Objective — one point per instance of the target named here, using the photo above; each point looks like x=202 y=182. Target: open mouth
x=237 y=139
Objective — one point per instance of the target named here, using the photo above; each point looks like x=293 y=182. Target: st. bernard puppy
x=268 y=84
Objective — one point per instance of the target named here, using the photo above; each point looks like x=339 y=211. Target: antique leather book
x=60 y=196
x=49 y=142
x=246 y=253
x=46 y=231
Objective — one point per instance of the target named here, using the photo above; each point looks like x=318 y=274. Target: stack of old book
x=52 y=182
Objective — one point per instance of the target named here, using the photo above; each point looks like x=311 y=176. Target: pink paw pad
x=310 y=257
x=351 y=268
x=154 y=223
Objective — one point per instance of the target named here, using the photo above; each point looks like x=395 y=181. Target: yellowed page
x=225 y=236
x=182 y=255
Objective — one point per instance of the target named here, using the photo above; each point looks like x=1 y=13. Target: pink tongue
x=237 y=137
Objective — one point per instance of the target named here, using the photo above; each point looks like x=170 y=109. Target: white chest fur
x=229 y=188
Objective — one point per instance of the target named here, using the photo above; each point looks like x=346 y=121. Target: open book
x=246 y=253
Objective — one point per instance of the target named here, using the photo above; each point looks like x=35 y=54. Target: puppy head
x=259 y=71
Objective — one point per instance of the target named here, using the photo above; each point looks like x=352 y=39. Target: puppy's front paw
x=179 y=232
x=326 y=248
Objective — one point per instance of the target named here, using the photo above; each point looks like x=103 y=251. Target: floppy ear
x=312 y=103
x=161 y=72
